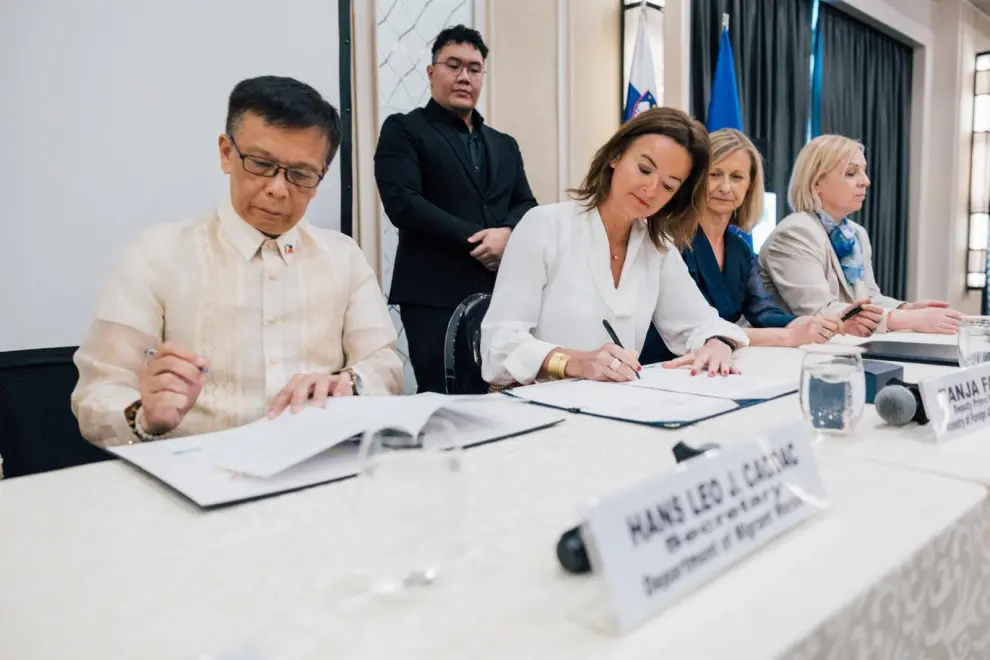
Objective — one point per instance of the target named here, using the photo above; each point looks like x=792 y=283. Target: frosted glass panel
x=977 y=261
x=981 y=114
x=983 y=62
x=983 y=82
x=978 y=224
x=979 y=186
x=976 y=280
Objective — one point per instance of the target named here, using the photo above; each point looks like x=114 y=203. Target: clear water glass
x=974 y=341
x=833 y=388
x=412 y=505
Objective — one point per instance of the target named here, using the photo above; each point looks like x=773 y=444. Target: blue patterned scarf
x=846 y=247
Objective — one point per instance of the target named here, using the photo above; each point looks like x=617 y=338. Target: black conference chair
x=38 y=431
x=462 y=347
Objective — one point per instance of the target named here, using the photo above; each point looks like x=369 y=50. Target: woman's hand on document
x=715 y=356
x=608 y=363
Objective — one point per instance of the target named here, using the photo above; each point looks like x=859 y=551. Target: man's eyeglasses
x=298 y=176
x=454 y=65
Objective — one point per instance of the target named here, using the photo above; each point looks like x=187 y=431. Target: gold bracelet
x=557 y=365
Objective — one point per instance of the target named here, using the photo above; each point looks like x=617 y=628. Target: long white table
x=103 y=562
x=911 y=446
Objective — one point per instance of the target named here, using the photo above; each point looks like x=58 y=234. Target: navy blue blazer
x=735 y=290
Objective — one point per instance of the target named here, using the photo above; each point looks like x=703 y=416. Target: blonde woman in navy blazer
x=722 y=263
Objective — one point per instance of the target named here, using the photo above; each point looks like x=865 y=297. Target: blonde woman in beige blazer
x=817 y=261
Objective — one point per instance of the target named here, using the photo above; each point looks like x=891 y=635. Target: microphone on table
x=571 y=551
x=900 y=403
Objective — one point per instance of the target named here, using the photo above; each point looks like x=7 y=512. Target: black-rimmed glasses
x=454 y=65
x=297 y=176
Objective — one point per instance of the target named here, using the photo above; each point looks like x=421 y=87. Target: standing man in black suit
x=454 y=188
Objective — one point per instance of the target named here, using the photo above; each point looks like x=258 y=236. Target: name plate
x=958 y=403
x=666 y=537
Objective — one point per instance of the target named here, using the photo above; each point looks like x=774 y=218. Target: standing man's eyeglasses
x=297 y=176
x=454 y=65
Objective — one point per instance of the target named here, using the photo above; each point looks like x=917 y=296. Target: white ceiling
x=983 y=5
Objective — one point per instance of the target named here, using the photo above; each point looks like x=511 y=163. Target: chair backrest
x=462 y=347
x=38 y=431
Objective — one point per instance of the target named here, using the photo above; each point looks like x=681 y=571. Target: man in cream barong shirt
x=248 y=310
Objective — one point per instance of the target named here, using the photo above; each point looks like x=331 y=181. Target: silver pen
x=150 y=352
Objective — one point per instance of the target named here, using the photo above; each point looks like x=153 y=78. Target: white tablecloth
x=911 y=446
x=103 y=562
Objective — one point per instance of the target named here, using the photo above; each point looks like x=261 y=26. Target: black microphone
x=571 y=551
x=900 y=403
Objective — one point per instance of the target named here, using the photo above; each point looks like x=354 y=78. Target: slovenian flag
x=723 y=108
x=641 y=94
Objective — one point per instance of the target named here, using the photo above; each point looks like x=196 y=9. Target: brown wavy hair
x=678 y=219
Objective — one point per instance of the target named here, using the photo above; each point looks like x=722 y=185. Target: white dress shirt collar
x=624 y=299
x=248 y=240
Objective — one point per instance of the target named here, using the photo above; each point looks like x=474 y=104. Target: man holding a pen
x=220 y=320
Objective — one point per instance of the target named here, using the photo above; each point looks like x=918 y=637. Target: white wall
x=109 y=120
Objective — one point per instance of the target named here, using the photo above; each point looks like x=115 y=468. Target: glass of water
x=833 y=388
x=974 y=341
x=412 y=504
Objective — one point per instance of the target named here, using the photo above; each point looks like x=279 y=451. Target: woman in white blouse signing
x=608 y=255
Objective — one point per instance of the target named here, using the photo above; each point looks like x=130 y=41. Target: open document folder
x=315 y=446
x=737 y=387
x=662 y=397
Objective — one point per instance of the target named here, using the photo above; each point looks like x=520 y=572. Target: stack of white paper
x=269 y=446
x=661 y=396
x=737 y=387
x=644 y=405
x=308 y=448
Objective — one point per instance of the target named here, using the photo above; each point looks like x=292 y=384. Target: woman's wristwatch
x=725 y=340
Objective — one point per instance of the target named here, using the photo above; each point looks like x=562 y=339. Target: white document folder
x=737 y=387
x=188 y=464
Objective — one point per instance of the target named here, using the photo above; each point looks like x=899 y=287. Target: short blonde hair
x=819 y=157
x=726 y=142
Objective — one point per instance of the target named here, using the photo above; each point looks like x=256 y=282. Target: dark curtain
x=865 y=94
x=771 y=42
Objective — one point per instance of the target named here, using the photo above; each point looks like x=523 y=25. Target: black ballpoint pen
x=615 y=339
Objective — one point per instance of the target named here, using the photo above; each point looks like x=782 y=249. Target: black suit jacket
x=434 y=198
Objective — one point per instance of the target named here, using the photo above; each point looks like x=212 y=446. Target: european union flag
x=723 y=108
